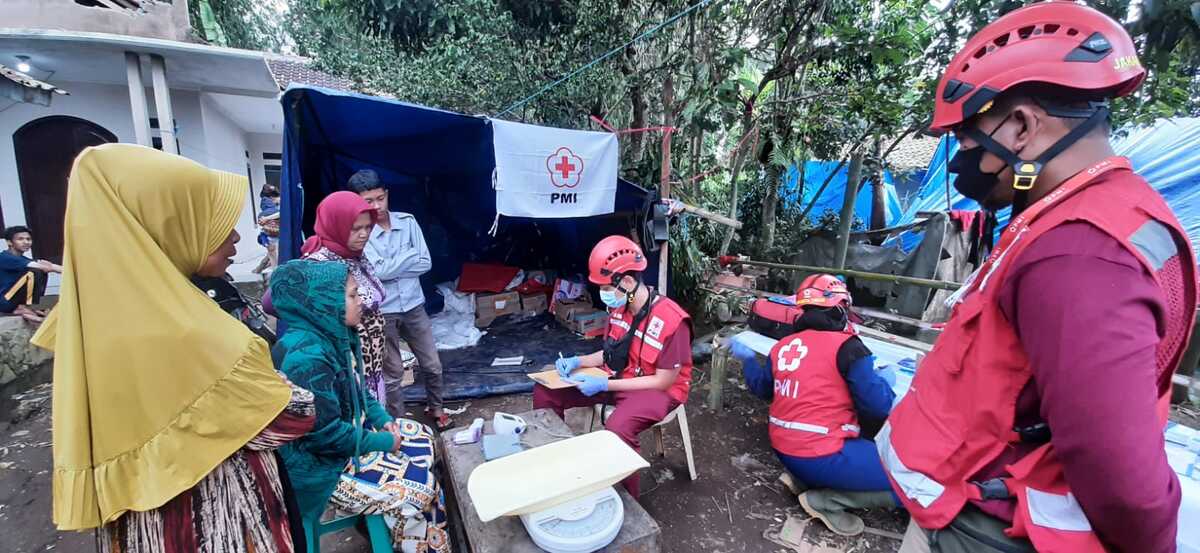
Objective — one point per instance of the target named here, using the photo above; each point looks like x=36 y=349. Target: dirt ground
x=728 y=508
x=733 y=503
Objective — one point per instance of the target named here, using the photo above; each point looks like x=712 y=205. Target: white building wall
x=104 y=105
x=227 y=149
x=261 y=144
x=205 y=134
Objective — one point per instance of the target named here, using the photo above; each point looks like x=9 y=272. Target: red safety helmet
x=612 y=258
x=1058 y=43
x=823 y=290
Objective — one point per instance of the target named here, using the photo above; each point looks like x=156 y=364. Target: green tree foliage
x=757 y=86
x=236 y=23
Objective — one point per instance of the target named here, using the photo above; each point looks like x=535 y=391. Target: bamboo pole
x=898 y=279
x=709 y=215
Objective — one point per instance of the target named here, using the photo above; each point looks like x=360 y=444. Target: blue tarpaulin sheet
x=437 y=166
x=815 y=173
x=1166 y=154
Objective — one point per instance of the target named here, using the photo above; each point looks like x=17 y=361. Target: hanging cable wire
x=609 y=54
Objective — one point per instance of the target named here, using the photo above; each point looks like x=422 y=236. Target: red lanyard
x=1021 y=223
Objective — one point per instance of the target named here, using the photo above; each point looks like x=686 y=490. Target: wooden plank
x=716 y=386
x=639 y=533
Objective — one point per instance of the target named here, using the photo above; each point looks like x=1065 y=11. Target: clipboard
x=550 y=378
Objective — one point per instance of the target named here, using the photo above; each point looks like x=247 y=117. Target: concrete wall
x=260 y=144
x=163 y=20
x=226 y=150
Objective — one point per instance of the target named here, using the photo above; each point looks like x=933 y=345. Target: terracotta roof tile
x=286 y=71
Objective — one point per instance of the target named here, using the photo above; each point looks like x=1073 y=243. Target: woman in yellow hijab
x=165 y=409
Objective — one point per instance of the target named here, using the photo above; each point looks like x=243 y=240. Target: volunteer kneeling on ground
x=820 y=380
x=648 y=341
x=1037 y=420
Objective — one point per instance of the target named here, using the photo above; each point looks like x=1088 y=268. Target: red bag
x=485 y=277
x=774 y=319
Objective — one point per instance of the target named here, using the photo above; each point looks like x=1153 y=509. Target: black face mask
x=822 y=318
x=969 y=180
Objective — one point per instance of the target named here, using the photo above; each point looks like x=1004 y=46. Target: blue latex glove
x=888 y=373
x=567 y=364
x=588 y=384
x=741 y=351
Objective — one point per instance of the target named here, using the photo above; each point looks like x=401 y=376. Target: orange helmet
x=612 y=258
x=822 y=290
x=1058 y=43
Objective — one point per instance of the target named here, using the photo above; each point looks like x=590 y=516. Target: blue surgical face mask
x=613 y=299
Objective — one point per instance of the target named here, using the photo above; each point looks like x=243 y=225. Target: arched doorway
x=45 y=149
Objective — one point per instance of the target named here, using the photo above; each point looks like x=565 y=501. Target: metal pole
x=847 y=216
x=137 y=99
x=162 y=104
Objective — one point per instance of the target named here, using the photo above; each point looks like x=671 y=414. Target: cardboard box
x=562 y=309
x=490 y=306
x=535 y=303
x=581 y=317
x=590 y=325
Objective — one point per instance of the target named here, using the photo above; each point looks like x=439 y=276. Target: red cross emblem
x=565 y=168
x=791 y=355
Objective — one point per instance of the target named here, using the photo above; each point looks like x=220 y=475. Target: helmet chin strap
x=1025 y=173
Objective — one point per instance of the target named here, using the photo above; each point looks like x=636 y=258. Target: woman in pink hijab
x=344 y=223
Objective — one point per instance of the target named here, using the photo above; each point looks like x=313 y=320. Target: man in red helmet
x=647 y=348
x=820 y=381
x=1037 y=420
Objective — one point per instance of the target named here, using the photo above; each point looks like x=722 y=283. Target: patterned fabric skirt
x=402 y=487
x=374 y=342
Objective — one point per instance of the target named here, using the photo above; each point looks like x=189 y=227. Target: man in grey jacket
x=399 y=256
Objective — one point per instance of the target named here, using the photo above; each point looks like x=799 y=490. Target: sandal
x=441 y=422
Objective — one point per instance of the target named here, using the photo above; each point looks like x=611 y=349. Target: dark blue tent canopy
x=438 y=166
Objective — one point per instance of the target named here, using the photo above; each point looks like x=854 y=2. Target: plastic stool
x=381 y=538
x=680 y=414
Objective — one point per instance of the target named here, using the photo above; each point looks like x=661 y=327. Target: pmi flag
x=552 y=173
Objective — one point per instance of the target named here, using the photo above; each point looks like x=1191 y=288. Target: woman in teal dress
x=357 y=459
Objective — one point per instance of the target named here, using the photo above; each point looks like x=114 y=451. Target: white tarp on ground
x=553 y=173
x=454 y=327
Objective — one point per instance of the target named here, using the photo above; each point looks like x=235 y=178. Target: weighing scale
x=579 y=526
x=573 y=507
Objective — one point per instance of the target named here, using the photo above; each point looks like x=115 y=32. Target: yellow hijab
x=154 y=385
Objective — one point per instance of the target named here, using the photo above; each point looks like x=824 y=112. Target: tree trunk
x=878 y=204
x=847 y=216
x=735 y=170
x=637 y=99
x=770 y=202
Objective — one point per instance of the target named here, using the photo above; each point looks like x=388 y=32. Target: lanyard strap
x=1021 y=223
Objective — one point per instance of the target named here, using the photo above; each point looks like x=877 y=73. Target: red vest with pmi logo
x=811 y=412
x=647 y=343
x=959 y=414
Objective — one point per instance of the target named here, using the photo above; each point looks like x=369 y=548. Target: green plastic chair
x=377 y=530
